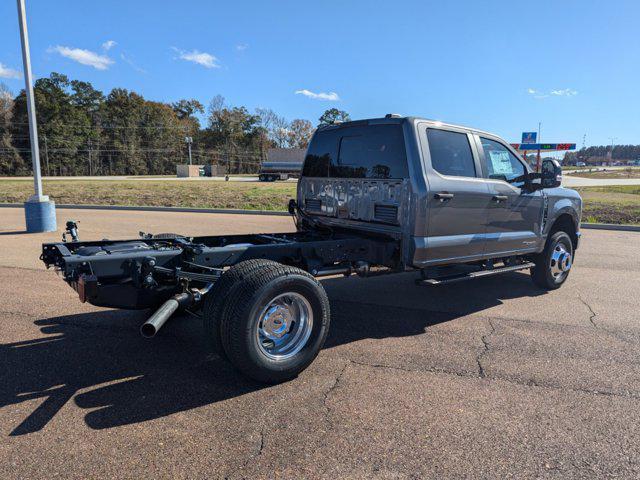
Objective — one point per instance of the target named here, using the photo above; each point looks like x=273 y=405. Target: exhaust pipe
x=160 y=317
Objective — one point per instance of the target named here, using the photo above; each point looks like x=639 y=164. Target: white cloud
x=201 y=58
x=109 y=44
x=241 y=47
x=85 y=57
x=566 y=92
x=6 y=72
x=331 y=96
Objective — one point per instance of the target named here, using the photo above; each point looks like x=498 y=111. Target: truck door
x=515 y=212
x=458 y=196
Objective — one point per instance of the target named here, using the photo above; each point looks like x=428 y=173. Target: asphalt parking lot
x=484 y=379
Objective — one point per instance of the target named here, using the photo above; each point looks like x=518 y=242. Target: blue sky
x=501 y=66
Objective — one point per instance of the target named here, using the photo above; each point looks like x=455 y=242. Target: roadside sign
x=529 y=137
x=544 y=146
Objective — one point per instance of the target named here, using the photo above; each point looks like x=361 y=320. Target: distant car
x=581 y=164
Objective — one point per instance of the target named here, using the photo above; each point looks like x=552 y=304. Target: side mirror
x=551 y=174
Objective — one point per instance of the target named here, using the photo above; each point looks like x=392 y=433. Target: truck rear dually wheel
x=216 y=300
x=554 y=263
x=274 y=322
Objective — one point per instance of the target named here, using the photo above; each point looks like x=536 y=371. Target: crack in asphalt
x=593 y=313
x=25 y=268
x=485 y=342
x=434 y=370
x=482 y=315
x=529 y=383
x=20 y=314
x=252 y=456
x=335 y=384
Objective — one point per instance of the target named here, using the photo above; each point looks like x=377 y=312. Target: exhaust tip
x=148 y=331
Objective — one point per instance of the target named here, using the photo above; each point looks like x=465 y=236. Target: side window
x=451 y=153
x=500 y=163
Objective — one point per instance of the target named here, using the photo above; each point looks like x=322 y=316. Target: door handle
x=499 y=198
x=442 y=196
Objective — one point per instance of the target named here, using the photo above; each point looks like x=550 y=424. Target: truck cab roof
x=399 y=119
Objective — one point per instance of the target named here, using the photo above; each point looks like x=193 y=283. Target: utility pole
x=611 y=158
x=40 y=213
x=539 y=130
x=539 y=158
x=189 y=141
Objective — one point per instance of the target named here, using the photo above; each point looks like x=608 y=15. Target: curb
x=610 y=226
x=158 y=209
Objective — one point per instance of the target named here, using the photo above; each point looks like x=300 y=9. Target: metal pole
x=611 y=158
x=539 y=135
x=188 y=141
x=612 y=149
x=31 y=106
x=39 y=211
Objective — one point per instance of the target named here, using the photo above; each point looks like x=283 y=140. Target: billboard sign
x=529 y=137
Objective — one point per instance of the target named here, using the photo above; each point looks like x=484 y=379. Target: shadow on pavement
x=127 y=379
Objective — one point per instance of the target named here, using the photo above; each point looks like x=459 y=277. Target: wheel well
x=565 y=223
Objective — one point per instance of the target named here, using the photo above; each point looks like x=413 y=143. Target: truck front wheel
x=554 y=263
x=275 y=323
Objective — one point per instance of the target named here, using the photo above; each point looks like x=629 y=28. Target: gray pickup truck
x=376 y=196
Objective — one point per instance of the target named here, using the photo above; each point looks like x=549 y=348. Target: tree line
x=82 y=131
x=601 y=153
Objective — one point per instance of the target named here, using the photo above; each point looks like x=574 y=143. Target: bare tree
x=276 y=126
x=300 y=132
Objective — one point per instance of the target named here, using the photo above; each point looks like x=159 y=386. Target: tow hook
x=72 y=230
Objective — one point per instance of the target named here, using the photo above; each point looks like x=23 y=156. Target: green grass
x=615 y=204
x=209 y=194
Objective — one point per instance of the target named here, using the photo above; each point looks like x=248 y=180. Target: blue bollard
x=40 y=216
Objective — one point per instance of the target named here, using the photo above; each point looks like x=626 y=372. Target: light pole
x=538 y=158
x=611 y=157
x=189 y=141
x=40 y=212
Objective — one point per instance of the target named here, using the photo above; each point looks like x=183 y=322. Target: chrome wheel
x=560 y=262
x=284 y=326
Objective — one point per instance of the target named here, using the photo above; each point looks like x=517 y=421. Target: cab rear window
x=362 y=151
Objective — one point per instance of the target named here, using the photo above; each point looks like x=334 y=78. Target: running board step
x=472 y=275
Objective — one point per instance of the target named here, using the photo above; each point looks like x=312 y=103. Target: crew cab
x=376 y=196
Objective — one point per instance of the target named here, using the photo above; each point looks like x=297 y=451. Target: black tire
x=239 y=321
x=542 y=274
x=216 y=300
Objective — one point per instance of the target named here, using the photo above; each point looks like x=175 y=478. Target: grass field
x=240 y=195
x=616 y=204
x=630 y=172
x=619 y=204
